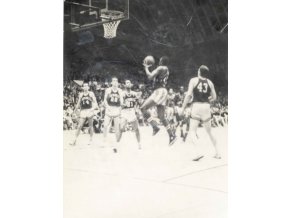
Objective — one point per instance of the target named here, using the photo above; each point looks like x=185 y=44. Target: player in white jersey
x=203 y=92
x=112 y=101
x=170 y=116
x=87 y=103
x=128 y=114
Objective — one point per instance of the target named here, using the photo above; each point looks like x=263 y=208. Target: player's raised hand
x=146 y=65
x=148 y=61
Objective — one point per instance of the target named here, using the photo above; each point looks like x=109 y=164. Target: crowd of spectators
x=72 y=89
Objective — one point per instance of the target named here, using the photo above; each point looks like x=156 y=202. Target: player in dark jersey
x=171 y=97
x=128 y=114
x=112 y=101
x=179 y=97
x=203 y=92
x=87 y=103
x=158 y=97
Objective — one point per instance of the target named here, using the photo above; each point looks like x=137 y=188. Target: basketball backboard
x=85 y=14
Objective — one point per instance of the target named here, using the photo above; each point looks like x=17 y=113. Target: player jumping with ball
x=159 y=96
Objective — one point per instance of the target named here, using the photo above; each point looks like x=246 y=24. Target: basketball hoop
x=110 y=28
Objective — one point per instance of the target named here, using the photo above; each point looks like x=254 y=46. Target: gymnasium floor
x=155 y=182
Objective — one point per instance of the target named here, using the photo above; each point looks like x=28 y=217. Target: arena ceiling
x=190 y=32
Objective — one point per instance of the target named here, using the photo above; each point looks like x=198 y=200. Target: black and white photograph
x=119 y=109
x=145 y=108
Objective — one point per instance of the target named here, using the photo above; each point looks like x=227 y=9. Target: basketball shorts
x=200 y=112
x=86 y=113
x=129 y=115
x=159 y=96
x=187 y=112
x=112 y=111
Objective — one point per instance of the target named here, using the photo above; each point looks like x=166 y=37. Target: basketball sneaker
x=184 y=137
x=172 y=139
x=155 y=130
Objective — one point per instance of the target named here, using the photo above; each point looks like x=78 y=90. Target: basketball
x=149 y=60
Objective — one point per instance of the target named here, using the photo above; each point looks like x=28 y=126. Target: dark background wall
x=190 y=32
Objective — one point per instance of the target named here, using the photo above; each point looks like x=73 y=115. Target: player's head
x=181 y=89
x=128 y=84
x=115 y=82
x=164 y=61
x=86 y=87
x=203 y=71
x=170 y=91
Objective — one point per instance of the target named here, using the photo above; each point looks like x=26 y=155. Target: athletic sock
x=169 y=130
x=168 y=127
x=150 y=120
x=185 y=135
x=181 y=133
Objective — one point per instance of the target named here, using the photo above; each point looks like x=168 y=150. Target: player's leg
x=117 y=128
x=91 y=130
x=194 y=123
x=117 y=132
x=107 y=122
x=80 y=125
x=149 y=102
x=187 y=122
x=123 y=123
x=195 y=119
x=135 y=127
x=166 y=124
x=181 y=123
x=207 y=126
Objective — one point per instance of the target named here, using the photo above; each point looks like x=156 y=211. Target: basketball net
x=110 y=28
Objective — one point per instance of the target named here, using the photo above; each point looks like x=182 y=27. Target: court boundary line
x=197 y=187
x=197 y=171
x=155 y=181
